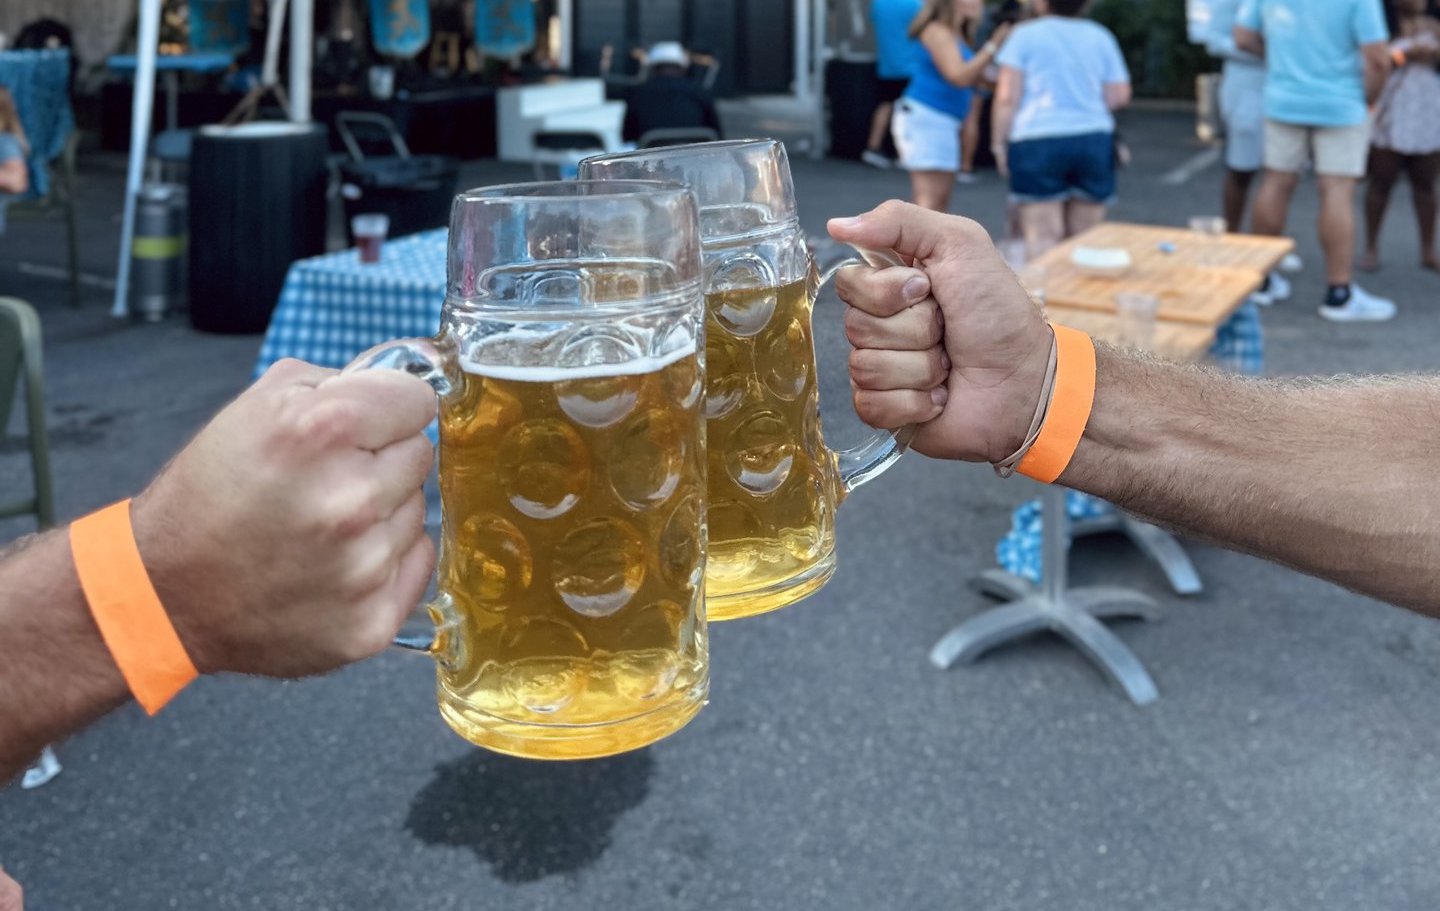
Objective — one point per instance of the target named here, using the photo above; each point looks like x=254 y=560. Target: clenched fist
x=952 y=343
x=289 y=537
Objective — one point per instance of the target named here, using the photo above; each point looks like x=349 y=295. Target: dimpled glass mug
x=774 y=485
x=570 y=618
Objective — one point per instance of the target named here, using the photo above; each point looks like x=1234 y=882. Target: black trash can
x=415 y=191
x=257 y=204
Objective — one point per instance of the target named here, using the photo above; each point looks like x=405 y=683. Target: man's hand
x=995 y=344
x=288 y=538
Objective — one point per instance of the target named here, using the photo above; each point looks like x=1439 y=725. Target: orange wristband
x=132 y=621
x=1398 y=56
x=1069 y=410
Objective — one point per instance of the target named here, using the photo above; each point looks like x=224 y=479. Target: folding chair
x=20 y=354
x=60 y=198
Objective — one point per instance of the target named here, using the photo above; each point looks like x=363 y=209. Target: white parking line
x=1190 y=168
x=93 y=281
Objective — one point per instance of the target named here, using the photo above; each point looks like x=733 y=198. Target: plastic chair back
x=20 y=353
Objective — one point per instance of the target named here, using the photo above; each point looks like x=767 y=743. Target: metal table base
x=1074 y=614
x=1153 y=541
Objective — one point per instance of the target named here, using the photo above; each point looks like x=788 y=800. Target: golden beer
x=577 y=635
x=773 y=484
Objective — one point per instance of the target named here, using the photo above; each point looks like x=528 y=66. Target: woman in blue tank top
x=930 y=114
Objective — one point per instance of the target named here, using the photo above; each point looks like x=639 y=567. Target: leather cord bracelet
x=1066 y=399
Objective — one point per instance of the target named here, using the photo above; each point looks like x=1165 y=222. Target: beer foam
x=637 y=367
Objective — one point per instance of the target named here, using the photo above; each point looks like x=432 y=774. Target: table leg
x=1153 y=541
x=1112 y=656
x=1162 y=547
x=983 y=632
x=1053 y=606
x=172 y=100
x=997 y=583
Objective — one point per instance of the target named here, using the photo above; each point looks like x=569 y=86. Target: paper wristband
x=132 y=621
x=1070 y=406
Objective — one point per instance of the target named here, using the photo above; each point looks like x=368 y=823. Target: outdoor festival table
x=1200 y=282
x=333 y=307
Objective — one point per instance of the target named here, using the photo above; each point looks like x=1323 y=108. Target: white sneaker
x=1362 y=307
x=1292 y=263
x=875 y=160
x=967 y=177
x=1279 y=287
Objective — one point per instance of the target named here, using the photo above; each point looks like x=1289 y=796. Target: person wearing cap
x=668 y=98
x=1332 y=478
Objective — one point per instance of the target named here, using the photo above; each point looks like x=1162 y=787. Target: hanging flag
x=504 y=28
x=220 y=27
x=400 y=28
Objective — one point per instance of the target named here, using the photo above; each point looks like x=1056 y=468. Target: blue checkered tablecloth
x=1239 y=346
x=333 y=307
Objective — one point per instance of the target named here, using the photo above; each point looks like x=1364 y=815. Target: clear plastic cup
x=1210 y=228
x=370 y=230
x=1138 y=315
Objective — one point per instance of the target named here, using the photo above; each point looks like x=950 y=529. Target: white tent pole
x=147 y=44
x=274 y=28
x=302 y=47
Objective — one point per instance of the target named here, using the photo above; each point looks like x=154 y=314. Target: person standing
x=14 y=173
x=1061 y=79
x=895 y=55
x=1325 y=63
x=1407 y=132
x=1242 y=107
x=929 y=116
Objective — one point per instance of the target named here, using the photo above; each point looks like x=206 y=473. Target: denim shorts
x=1062 y=168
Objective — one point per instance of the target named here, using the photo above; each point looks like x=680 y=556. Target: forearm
x=56 y=675
x=1336 y=480
x=1375 y=77
x=969 y=73
x=1002 y=117
x=1248 y=41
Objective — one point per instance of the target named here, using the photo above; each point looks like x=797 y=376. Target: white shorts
x=927 y=139
x=1336 y=151
x=1242 y=105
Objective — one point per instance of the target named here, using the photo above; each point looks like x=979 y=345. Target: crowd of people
x=1348 y=91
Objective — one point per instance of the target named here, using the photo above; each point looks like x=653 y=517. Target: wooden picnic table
x=1200 y=282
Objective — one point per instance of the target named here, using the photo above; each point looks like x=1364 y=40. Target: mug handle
x=869 y=458
x=434 y=362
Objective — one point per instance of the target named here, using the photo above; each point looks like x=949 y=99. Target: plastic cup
x=1138 y=315
x=1210 y=228
x=370 y=231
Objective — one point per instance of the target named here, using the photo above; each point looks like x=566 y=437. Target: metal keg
x=157 y=253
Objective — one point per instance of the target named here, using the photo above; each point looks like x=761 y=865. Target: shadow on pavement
x=529 y=819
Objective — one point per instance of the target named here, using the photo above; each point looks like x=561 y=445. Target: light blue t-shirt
x=895 y=51
x=1315 y=75
x=1066 y=63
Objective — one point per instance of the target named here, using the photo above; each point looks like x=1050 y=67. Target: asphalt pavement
x=1290 y=762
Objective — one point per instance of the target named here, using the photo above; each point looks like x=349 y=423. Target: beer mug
x=774 y=484
x=569 y=617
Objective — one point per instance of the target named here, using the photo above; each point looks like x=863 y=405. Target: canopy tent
x=302 y=26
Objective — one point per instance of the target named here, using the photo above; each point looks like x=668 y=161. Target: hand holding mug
x=995 y=341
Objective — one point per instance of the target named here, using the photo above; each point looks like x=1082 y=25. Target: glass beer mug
x=569 y=616
x=774 y=485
